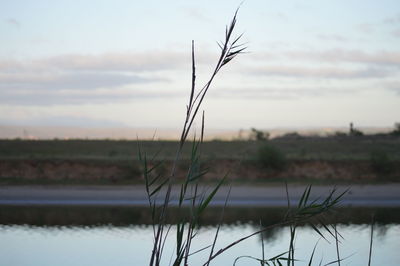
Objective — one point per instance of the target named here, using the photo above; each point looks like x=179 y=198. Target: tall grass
x=194 y=201
x=189 y=188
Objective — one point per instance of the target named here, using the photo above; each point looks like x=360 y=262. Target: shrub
x=271 y=157
x=380 y=162
x=340 y=134
x=356 y=133
x=291 y=135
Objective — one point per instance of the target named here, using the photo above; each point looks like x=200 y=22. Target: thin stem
x=262 y=247
x=249 y=236
x=228 y=52
x=370 y=242
x=337 y=244
x=219 y=226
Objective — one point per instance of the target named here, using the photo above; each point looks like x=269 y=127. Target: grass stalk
x=219 y=226
x=262 y=247
x=154 y=184
x=337 y=243
x=370 y=242
x=187 y=228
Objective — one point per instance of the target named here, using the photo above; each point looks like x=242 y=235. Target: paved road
x=384 y=195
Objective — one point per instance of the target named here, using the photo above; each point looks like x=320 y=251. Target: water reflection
x=123 y=236
x=28 y=245
x=123 y=216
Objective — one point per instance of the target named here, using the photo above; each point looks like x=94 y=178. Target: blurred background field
x=296 y=148
x=374 y=158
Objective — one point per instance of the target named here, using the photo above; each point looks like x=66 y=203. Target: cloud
x=279 y=92
x=63 y=121
x=392 y=86
x=78 y=97
x=396 y=33
x=44 y=82
x=280 y=16
x=195 y=13
x=391 y=58
x=365 y=28
x=133 y=62
x=332 y=37
x=70 y=81
x=117 y=77
x=77 y=79
x=13 y=22
x=317 y=72
x=137 y=62
x=392 y=20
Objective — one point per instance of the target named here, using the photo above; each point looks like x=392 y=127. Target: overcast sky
x=310 y=63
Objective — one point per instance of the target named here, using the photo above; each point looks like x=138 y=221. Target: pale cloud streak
x=366 y=28
x=393 y=86
x=13 y=22
x=68 y=97
x=332 y=37
x=133 y=62
x=194 y=13
x=137 y=62
x=396 y=33
x=280 y=93
x=70 y=81
x=318 y=72
x=64 y=121
x=118 y=77
x=77 y=79
x=392 y=20
x=389 y=58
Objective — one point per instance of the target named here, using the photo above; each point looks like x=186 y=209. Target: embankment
x=98 y=171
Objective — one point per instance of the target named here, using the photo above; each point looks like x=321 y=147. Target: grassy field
x=346 y=148
x=321 y=160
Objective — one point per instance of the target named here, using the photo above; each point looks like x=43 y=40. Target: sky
x=314 y=63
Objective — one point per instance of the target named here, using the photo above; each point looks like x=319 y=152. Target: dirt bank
x=31 y=170
x=115 y=171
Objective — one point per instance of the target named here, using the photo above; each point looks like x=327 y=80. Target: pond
x=123 y=236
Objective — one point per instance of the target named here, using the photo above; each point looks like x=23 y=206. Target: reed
x=195 y=201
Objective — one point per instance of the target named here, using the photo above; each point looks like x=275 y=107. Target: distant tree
x=355 y=132
x=259 y=135
x=396 y=131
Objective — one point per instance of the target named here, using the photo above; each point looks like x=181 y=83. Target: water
x=106 y=236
